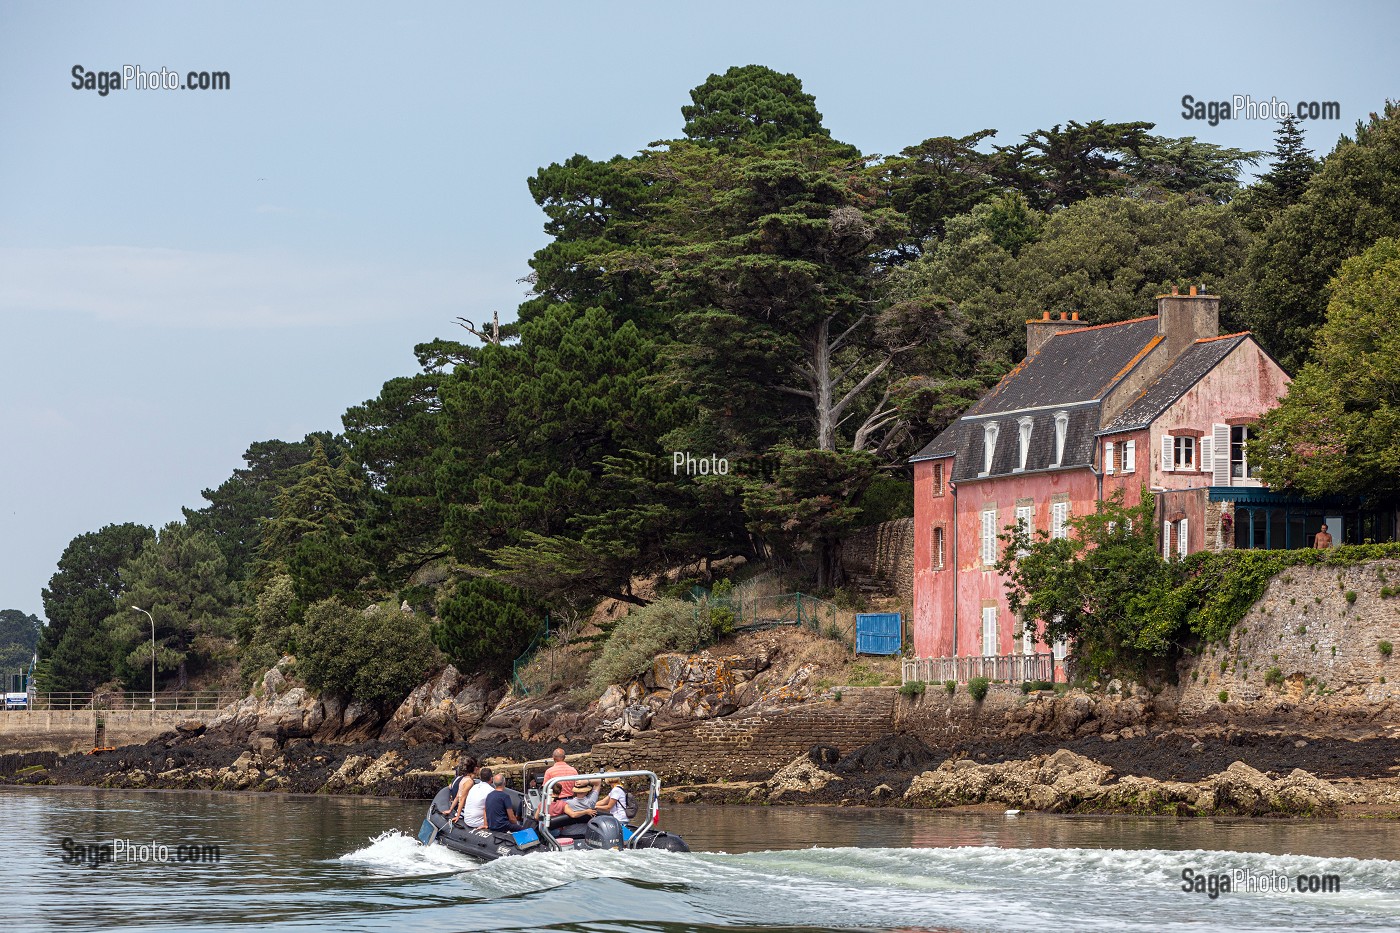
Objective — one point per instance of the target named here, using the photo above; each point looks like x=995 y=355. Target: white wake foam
x=394 y=853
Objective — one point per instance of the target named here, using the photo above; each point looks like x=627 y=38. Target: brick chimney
x=1183 y=319
x=1038 y=332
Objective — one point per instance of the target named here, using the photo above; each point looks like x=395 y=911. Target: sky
x=183 y=273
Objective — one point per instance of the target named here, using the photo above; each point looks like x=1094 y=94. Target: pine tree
x=1292 y=166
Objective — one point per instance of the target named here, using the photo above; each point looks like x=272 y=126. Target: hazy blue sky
x=183 y=273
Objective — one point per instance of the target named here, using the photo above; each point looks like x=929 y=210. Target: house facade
x=1161 y=402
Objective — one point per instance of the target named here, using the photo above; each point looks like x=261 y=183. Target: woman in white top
x=616 y=805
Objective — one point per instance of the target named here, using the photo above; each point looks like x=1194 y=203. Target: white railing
x=1011 y=668
x=193 y=701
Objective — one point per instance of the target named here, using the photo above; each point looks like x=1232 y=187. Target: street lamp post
x=153 y=656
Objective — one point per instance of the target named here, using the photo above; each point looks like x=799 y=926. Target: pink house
x=1162 y=401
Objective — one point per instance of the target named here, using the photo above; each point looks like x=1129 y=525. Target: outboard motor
x=604 y=832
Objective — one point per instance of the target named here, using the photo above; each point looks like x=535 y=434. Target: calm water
x=333 y=864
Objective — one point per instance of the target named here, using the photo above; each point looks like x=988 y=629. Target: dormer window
x=1061 y=430
x=989 y=445
x=1025 y=425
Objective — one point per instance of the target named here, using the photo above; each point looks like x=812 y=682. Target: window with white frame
x=1240 y=467
x=989 y=630
x=1028 y=637
x=1061 y=431
x=1059 y=519
x=989 y=537
x=1183 y=453
x=1025 y=425
x=939 y=547
x=1061 y=649
x=1025 y=521
x=1129 y=456
x=990 y=430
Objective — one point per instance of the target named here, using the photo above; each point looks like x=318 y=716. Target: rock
x=348 y=771
x=1242 y=789
x=1071 y=712
x=386 y=766
x=1300 y=744
x=799 y=776
x=950 y=784
x=882 y=792
x=1197 y=747
x=243 y=762
x=1305 y=794
x=190 y=727
x=274 y=681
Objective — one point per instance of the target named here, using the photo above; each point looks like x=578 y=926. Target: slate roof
x=1083 y=421
x=1071 y=373
x=1073 y=366
x=1195 y=361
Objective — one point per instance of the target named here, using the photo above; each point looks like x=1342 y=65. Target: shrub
x=665 y=625
x=1351 y=596
x=1273 y=677
x=977 y=688
x=375 y=655
x=951 y=686
x=1030 y=685
x=484 y=625
x=1385 y=648
x=1224 y=696
x=913 y=688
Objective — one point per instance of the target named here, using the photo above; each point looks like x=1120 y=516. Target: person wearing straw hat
x=581 y=807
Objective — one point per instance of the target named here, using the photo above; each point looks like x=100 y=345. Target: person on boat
x=473 y=810
x=581 y=807
x=466 y=777
x=615 y=804
x=565 y=790
x=500 y=815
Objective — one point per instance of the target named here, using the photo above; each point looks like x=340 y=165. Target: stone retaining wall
x=737 y=747
x=1325 y=647
x=884 y=551
x=72 y=730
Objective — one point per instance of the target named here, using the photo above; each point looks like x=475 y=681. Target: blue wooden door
x=878 y=633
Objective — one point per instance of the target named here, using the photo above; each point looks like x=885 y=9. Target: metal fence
x=1011 y=668
x=193 y=701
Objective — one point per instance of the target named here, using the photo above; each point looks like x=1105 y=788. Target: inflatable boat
x=600 y=832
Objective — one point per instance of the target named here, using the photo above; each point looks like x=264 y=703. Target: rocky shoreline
x=898 y=771
x=759 y=726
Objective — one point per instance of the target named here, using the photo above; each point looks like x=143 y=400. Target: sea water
x=280 y=862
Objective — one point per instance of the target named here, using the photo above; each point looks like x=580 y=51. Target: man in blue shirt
x=500 y=815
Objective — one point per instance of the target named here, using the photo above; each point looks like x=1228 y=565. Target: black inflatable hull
x=487 y=846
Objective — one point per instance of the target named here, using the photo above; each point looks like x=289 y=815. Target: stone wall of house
x=1321 y=628
x=884 y=552
x=740 y=746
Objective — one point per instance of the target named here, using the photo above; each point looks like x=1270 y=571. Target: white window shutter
x=1182 y=538
x=1168 y=453
x=1220 y=469
x=1108 y=466
x=1207 y=454
x=1129 y=456
x=1166 y=540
